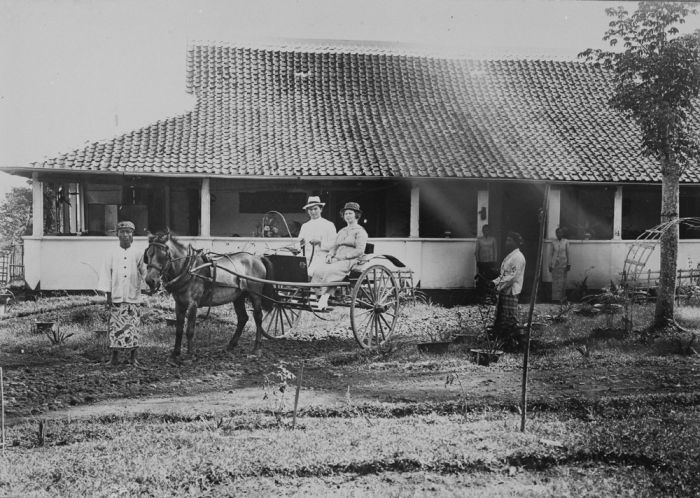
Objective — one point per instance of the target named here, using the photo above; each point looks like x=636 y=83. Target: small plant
x=612 y=301
x=55 y=334
x=450 y=380
x=490 y=342
x=562 y=315
x=276 y=388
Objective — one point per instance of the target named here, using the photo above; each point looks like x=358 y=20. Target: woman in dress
x=559 y=265
x=349 y=247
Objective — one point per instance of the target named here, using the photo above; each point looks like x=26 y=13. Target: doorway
x=519 y=206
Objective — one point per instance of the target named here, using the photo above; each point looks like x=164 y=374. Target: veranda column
x=617 y=214
x=415 y=212
x=205 y=209
x=554 y=212
x=37 y=206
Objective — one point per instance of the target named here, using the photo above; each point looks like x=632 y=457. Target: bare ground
x=64 y=381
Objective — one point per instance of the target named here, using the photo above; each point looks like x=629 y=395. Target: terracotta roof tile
x=358 y=111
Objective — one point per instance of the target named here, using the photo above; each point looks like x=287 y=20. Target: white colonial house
x=431 y=147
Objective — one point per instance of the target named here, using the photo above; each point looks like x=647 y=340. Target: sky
x=78 y=71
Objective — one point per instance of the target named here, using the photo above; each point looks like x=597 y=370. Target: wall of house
x=603 y=260
x=72 y=263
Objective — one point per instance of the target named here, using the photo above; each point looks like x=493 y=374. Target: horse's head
x=158 y=258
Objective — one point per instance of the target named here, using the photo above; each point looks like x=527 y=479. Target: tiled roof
x=358 y=112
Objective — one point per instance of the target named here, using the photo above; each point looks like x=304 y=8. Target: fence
x=12 y=264
x=687 y=283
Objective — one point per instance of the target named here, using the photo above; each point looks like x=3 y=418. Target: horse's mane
x=162 y=236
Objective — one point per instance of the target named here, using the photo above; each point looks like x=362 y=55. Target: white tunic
x=122 y=273
x=512 y=274
x=319 y=229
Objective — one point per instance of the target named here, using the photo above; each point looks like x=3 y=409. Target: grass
x=648 y=451
x=456 y=442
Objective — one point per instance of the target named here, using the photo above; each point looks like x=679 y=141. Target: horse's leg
x=191 y=319
x=242 y=315
x=179 y=324
x=257 y=315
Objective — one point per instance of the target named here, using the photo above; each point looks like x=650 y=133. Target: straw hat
x=312 y=201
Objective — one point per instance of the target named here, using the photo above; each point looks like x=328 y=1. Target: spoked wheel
x=281 y=319
x=374 y=307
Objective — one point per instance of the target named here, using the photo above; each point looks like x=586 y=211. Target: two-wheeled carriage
x=374 y=291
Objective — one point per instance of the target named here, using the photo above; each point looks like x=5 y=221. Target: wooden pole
x=2 y=410
x=533 y=298
x=296 y=396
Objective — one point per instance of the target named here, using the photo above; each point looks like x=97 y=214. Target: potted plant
x=490 y=352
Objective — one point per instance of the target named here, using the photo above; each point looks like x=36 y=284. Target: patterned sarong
x=124 y=321
x=559 y=283
x=506 y=314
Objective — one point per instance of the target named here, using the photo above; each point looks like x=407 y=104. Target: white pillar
x=37 y=206
x=205 y=209
x=482 y=205
x=617 y=214
x=415 y=212
x=554 y=212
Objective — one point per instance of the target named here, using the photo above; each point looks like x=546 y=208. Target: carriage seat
x=289 y=268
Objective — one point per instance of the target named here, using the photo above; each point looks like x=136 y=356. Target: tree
x=657 y=78
x=15 y=215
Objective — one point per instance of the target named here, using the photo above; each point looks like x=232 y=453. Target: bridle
x=163 y=270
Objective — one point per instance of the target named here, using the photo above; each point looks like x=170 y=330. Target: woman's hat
x=312 y=201
x=353 y=206
x=126 y=225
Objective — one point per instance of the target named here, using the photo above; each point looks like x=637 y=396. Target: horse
x=195 y=280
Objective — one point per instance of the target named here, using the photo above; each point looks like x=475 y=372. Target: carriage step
x=315 y=309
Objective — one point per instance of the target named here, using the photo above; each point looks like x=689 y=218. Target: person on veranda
x=121 y=276
x=559 y=265
x=350 y=243
x=486 y=255
x=509 y=284
x=317 y=236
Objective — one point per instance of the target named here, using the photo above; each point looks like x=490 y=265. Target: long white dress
x=350 y=244
x=318 y=229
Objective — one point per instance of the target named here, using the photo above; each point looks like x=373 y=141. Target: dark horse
x=196 y=280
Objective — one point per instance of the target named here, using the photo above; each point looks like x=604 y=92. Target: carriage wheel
x=374 y=307
x=281 y=319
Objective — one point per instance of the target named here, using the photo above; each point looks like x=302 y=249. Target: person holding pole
x=509 y=284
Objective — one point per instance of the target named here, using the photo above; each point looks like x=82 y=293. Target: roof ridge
x=323 y=45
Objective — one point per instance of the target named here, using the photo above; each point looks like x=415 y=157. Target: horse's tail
x=268 y=291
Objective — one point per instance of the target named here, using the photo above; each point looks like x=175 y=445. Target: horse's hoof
x=231 y=347
x=173 y=362
x=257 y=352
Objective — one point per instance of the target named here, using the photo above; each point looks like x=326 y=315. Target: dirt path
x=213 y=403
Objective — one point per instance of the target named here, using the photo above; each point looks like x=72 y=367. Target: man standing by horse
x=509 y=284
x=317 y=236
x=122 y=273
